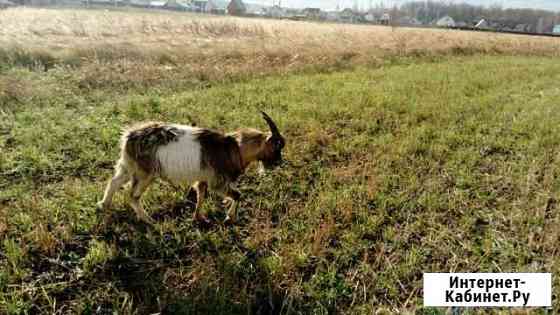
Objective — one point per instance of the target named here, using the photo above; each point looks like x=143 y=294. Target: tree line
x=428 y=11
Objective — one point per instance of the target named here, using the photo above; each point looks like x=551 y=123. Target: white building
x=331 y=16
x=370 y=17
x=275 y=12
x=446 y=21
x=6 y=4
x=385 y=19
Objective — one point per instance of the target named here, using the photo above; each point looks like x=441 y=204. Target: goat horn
x=271 y=124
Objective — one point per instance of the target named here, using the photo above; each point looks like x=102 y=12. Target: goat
x=183 y=154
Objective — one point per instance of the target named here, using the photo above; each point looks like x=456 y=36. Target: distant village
x=412 y=14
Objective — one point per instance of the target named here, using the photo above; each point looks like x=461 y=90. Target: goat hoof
x=226 y=203
x=201 y=219
x=229 y=221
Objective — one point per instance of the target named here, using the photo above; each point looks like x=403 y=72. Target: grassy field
x=440 y=161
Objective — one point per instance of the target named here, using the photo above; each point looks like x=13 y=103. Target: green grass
x=412 y=167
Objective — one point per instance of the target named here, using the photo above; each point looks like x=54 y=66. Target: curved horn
x=271 y=124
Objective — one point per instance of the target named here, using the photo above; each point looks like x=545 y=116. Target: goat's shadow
x=144 y=277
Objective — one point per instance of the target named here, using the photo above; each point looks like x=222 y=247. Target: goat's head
x=265 y=147
x=271 y=155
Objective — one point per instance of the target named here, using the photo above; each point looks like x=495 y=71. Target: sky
x=331 y=4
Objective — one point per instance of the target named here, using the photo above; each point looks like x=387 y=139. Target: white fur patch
x=180 y=160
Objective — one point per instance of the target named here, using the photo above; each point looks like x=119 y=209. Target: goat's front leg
x=231 y=199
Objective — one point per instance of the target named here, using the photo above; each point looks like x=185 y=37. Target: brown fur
x=251 y=144
x=221 y=153
x=142 y=142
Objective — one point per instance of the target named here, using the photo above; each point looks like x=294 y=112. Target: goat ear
x=271 y=124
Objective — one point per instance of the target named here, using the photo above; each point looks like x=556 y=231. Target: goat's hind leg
x=139 y=186
x=120 y=178
x=201 y=189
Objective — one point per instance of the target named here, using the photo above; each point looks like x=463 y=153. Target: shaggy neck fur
x=251 y=143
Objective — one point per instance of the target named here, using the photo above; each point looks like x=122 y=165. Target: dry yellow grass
x=74 y=32
x=117 y=50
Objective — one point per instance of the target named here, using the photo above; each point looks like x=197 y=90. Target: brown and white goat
x=183 y=154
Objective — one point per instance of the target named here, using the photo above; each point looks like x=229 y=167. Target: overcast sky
x=331 y=4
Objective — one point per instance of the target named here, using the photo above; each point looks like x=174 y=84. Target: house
x=556 y=29
x=349 y=16
x=157 y=4
x=482 y=24
x=370 y=17
x=38 y=2
x=179 y=5
x=216 y=7
x=446 y=21
x=385 y=19
x=312 y=13
x=6 y=4
x=331 y=16
x=346 y=15
x=275 y=11
x=135 y=3
x=236 y=7
x=199 y=5
x=408 y=21
x=293 y=12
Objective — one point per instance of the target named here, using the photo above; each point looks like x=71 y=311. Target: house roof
x=178 y=4
x=221 y=4
x=446 y=18
x=482 y=23
x=445 y=21
x=140 y=2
